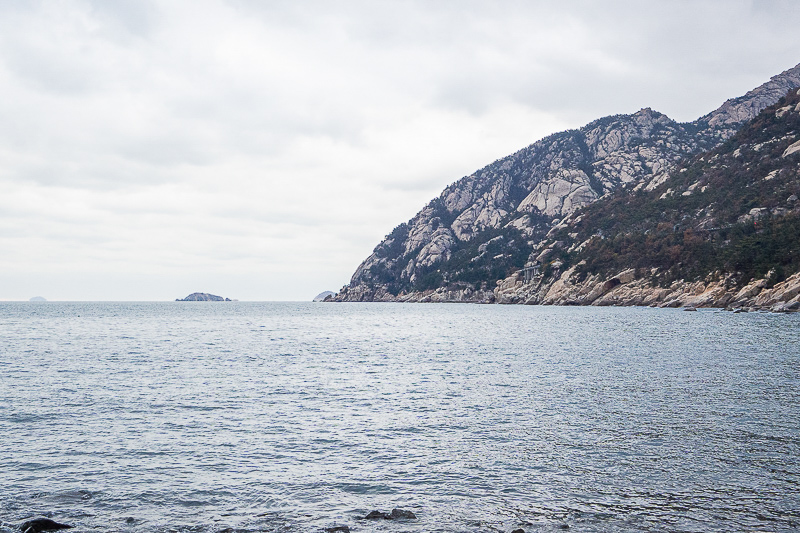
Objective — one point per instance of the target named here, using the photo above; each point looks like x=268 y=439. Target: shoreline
x=628 y=288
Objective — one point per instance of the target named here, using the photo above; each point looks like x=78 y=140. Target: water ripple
x=297 y=417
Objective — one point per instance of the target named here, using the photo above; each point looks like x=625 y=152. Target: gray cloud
x=245 y=137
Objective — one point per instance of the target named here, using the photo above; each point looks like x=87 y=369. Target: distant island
x=37 y=299
x=203 y=297
x=321 y=297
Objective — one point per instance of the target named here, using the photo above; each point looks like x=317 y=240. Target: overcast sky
x=260 y=149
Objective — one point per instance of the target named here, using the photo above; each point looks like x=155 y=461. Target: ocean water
x=293 y=417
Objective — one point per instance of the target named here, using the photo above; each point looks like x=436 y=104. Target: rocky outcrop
x=630 y=288
x=733 y=113
x=203 y=297
x=529 y=196
x=396 y=514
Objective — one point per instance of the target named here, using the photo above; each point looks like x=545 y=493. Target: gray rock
x=396 y=514
x=403 y=514
x=42 y=524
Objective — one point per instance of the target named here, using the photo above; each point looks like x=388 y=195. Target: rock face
x=601 y=291
x=203 y=297
x=489 y=224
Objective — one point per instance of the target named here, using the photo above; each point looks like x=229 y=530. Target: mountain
x=487 y=226
x=722 y=231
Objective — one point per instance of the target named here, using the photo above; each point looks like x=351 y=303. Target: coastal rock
x=402 y=514
x=629 y=289
x=42 y=524
x=396 y=514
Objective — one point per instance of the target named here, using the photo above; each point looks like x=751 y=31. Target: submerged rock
x=338 y=529
x=42 y=524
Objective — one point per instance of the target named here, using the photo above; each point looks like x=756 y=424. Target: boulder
x=403 y=514
x=396 y=514
x=42 y=524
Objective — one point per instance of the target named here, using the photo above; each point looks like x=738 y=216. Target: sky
x=259 y=150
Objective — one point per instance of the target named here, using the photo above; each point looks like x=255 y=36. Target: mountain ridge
x=488 y=224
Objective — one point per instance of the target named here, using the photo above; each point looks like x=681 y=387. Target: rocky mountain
x=722 y=231
x=491 y=224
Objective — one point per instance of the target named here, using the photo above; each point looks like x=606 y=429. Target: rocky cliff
x=466 y=242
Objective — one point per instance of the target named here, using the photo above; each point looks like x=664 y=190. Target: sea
x=237 y=417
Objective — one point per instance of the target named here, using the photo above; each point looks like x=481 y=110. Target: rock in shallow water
x=402 y=513
x=396 y=514
x=41 y=524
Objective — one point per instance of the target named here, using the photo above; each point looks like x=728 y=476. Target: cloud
x=266 y=147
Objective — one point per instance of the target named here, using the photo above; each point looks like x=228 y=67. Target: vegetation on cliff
x=732 y=210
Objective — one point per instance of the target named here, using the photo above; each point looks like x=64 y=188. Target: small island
x=203 y=297
x=324 y=296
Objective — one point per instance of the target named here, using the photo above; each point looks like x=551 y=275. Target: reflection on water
x=297 y=417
